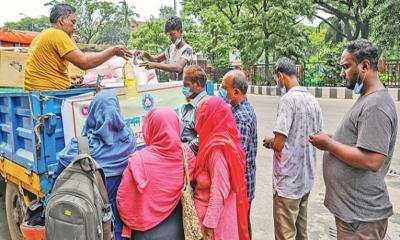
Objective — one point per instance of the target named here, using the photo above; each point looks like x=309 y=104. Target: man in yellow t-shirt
x=53 y=49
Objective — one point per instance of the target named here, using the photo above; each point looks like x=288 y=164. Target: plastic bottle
x=130 y=83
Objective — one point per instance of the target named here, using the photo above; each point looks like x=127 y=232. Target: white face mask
x=177 y=41
x=283 y=90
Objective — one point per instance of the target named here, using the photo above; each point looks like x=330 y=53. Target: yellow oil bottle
x=130 y=83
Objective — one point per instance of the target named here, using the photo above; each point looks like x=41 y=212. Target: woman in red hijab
x=220 y=192
x=149 y=195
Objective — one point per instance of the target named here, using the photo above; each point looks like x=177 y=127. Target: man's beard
x=353 y=80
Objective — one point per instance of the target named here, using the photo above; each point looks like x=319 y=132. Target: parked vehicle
x=32 y=135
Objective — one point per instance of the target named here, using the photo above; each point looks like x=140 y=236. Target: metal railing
x=309 y=74
x=389 y=72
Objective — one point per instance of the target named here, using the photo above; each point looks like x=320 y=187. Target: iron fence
x=308 y=74
x=389 y=72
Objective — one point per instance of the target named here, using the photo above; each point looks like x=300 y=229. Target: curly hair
x=173 y=23
x=363 y=49
x=196 y=74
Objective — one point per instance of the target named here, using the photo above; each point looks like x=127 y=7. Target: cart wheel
x=14 y=210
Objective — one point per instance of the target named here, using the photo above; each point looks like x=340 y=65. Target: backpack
x=78 y=207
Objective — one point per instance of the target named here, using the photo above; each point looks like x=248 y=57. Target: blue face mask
x=223 y=94
x=283 y=88
x=186 y=92
x=359 y=86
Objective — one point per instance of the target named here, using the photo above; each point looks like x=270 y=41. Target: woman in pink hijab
x=220 y=194
x=149 y=195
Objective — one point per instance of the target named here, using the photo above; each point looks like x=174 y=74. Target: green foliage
x=91 y=18
x=211 y=39
x=316 y=38
x=349 y=20
x=118 y=29
x=392 y=53
x=125 y=14
x=114 y=34
x=295 y=46
x=150 y=37
x=329 y=56
x=29 y=24
x=386 y=25
x=166 y=12
x=99 y=21
x=254 y=28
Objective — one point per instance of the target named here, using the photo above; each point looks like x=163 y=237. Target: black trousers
x=169 y=229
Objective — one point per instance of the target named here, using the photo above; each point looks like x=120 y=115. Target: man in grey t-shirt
x=299 y=115
x=358 y=156
x=176 y=57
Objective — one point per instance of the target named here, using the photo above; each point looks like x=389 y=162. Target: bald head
x=237 y=79
x=235 y=84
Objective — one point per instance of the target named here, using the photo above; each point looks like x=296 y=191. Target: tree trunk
x=175 y=8
x=266 y=36
x=365 y=29
x=266 y=63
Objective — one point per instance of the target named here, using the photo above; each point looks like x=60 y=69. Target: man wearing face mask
x=176 y=57
x=194 y=82
x=358 y=156
x=294 y=166
x=233 y=90
x=53 y=50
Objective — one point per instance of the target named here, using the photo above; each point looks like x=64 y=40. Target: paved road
x=321 y=222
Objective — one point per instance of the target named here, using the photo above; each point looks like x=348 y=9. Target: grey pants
x=361 y=230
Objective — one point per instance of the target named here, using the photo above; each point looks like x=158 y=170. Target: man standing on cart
x=54 y=49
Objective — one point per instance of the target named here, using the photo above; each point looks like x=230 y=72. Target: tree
x=333 y=24
x=166 y=12
x=118 y=29
x=150 y=37
x=29 y=24
x=386 y=25
x=316 y=40
x=352 y=19
x=370 y=19
x=253 y=26
x=127 y=13
x=92 y=17
x=211 y=39
x=114 y=34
